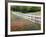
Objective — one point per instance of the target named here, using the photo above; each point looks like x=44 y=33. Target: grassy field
x=20 y=24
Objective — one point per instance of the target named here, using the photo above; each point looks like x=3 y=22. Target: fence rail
x=33 y=18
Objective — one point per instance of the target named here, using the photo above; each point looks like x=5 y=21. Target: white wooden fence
x=36 y=19
x=33 y=18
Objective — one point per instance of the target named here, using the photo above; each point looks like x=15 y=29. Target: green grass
x=27 y=26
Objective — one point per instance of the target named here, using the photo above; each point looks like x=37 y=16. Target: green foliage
x=25 y=9
x=13 y=8
x=34 y=9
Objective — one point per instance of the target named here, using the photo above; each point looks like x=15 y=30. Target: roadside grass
x=27 y=25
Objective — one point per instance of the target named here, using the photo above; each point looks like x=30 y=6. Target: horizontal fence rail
x=33 y=18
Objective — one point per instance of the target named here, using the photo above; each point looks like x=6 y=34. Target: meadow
x=21 y=24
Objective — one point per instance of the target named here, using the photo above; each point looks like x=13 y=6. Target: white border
x=24 y=32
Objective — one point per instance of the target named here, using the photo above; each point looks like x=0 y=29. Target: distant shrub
x=25 y=9
x=34 y=9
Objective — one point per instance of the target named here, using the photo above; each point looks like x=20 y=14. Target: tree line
x=25 y=9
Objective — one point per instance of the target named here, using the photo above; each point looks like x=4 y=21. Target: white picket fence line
x=33 y=18
x=36 y=20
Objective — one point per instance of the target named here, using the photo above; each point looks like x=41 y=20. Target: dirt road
x=20 y=24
